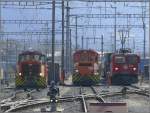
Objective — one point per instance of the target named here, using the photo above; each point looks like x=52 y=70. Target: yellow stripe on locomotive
x=77 y=79
x=31 y=70
x=86 y=67
x=37 y=82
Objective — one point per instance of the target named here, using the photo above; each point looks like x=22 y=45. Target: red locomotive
x=32 y=70
x=124 y=68
x=86 y=67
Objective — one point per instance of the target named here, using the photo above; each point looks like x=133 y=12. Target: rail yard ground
x=72 y=98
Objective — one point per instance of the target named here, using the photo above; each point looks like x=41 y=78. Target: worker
x=53 y=91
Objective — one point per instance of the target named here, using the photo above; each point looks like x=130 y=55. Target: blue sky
x=13 y=13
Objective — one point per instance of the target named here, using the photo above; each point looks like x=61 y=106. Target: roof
x=126 y=54
x=86 y=50
x=30 y=53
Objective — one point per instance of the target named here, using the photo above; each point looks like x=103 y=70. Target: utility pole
x=87 y=41
x=7 y=57
x=70 y=44
x=144 y=30
x=0 y=21
x=115 y=32
x=133 y=44
x=115 y=27
x=24 y=44
x=149 y=44
x=144 y=47
x=46 y=41
x=67 y=36
x=2 y=49
x=102 y=45
x=112 y=43
x=122 y=40
x=82 y=42
x=53 y=39
x=76 y=32
x=62 y=53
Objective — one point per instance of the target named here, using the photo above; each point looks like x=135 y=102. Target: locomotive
x=121 y=68
x=31 y=70
x=86 y=67
x=124 y=68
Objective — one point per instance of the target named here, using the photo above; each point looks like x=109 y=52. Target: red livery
x=124 y=68
x=86 y=67
x=32 y=70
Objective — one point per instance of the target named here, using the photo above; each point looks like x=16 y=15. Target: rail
x=84 y=104
x=83 y=101
x=20 y=104
x=98 y=97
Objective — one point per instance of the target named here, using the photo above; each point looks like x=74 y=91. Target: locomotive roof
x=30 y=53
x=125 y=54
x=86 y=50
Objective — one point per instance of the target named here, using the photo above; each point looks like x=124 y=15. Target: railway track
x=12 y=97
x=18 y=97
x=98 y=97
x=79 y=100
x=84 y=98
x=138 y=90
x=13 y=104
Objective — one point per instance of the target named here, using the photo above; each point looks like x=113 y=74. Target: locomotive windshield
x=89 y=58
x=119 y=59
x=34 y=57
x=83 y=58
x=132 y=59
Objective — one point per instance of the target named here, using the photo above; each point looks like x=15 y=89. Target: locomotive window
x=43 y=59
x=21 y=58
x=83 y=57
x=36 y=57
x=31 y=57
x=119 y=59
x=132 y=59
x=27 y=57
x=91 y=58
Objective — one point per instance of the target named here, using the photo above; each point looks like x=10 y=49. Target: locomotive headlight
x=41 y=74
x=134 y=69
x=116 y=68
x=51 y=100
x=76 y=71
x=96 y=73
x=19 y=74
x=42 y=71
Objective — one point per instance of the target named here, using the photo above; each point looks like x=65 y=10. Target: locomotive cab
x=31 y=70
